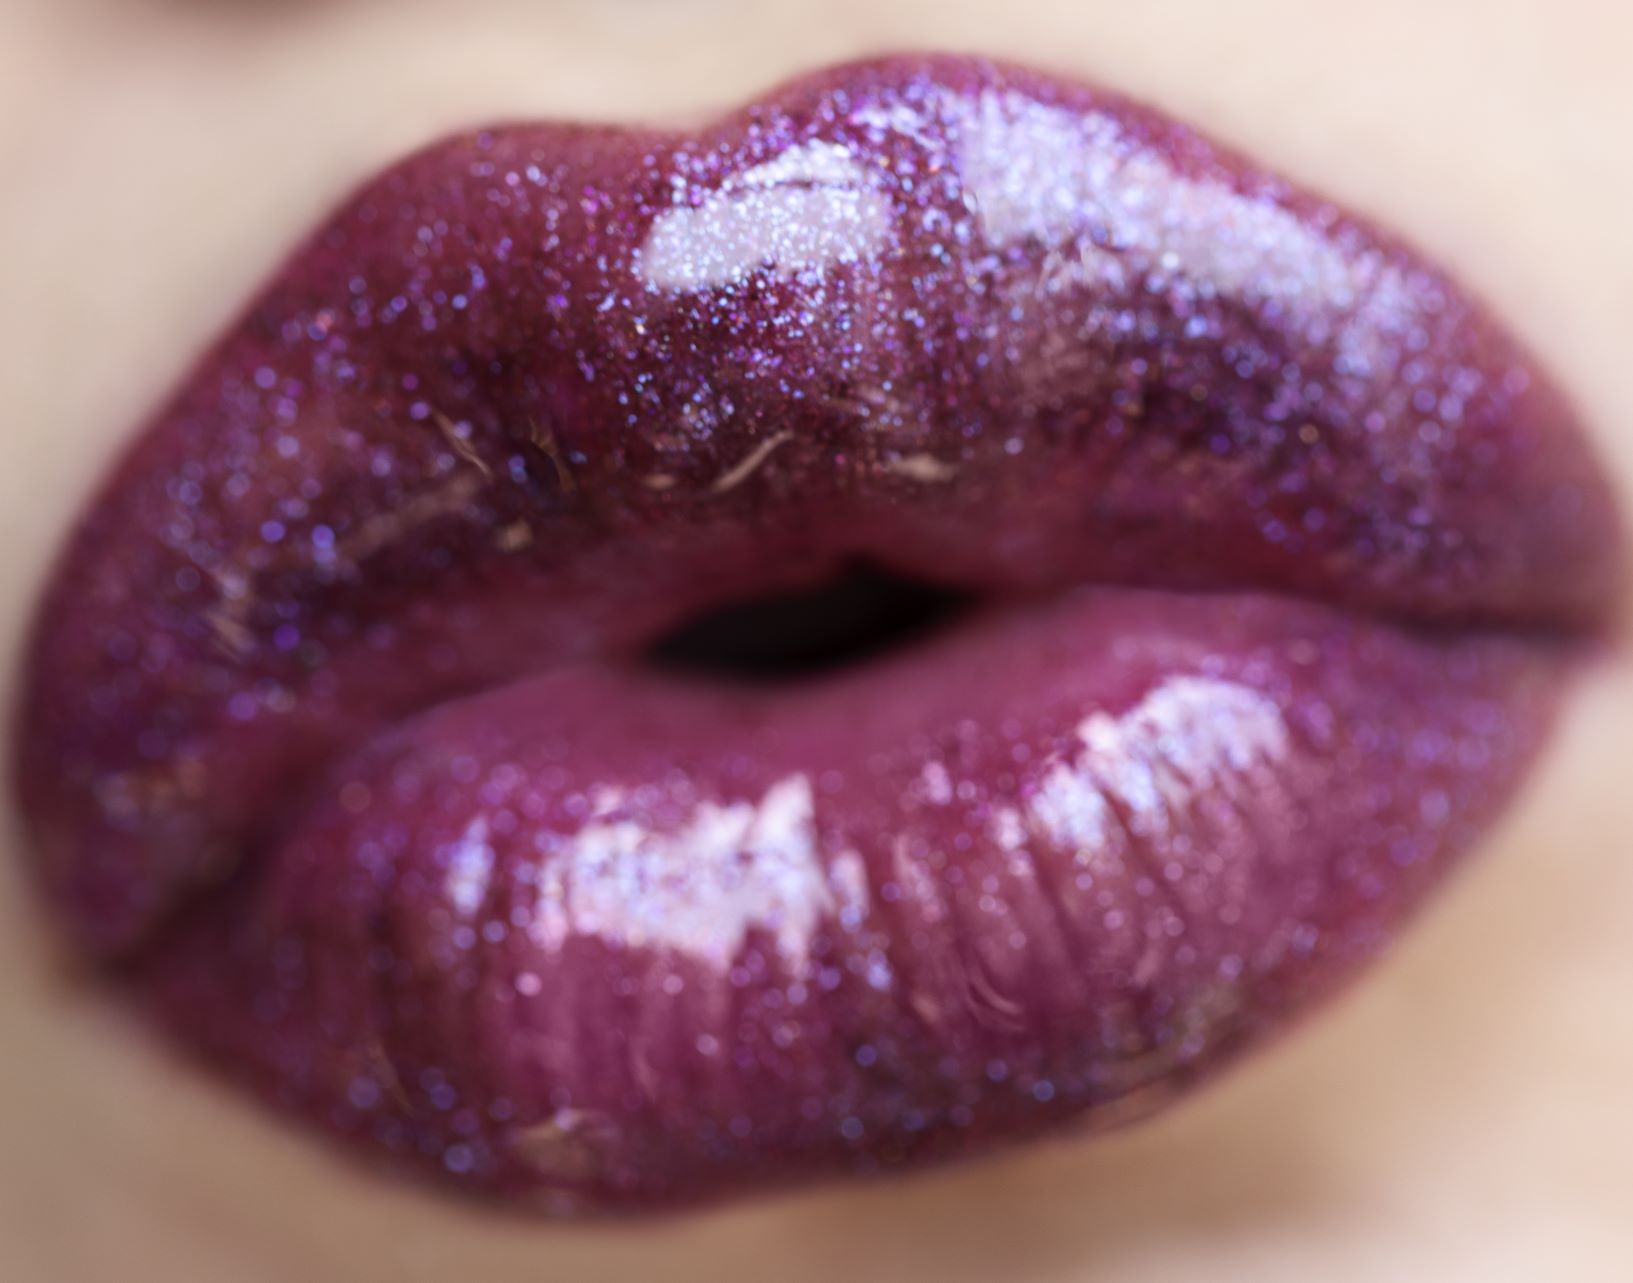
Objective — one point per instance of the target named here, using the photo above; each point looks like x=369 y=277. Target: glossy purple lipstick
x=354 y=731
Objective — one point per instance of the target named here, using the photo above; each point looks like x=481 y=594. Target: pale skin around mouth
x=1504 y=1054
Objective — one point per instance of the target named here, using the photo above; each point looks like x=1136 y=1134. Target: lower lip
x=605 y=938
x=341 y=734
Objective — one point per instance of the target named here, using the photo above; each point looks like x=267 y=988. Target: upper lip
x=975 y=323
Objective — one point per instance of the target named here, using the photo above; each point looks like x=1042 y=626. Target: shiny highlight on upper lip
x=339 y=731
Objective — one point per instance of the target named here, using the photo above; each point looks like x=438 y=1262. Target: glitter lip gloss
x=344 y=744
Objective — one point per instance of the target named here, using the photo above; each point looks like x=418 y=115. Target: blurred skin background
x=1466 y=1113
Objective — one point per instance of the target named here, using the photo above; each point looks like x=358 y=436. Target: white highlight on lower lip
x=809 y=208
x=1188 y=737
x=700 y=889
x=470 y=869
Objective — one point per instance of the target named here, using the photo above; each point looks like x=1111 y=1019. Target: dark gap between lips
x=860 y=612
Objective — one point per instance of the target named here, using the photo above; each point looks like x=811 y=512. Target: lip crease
x=344 y=745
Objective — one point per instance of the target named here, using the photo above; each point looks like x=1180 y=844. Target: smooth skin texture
x=1462 y=1115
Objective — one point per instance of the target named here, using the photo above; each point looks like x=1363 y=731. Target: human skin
x=1461 y=1114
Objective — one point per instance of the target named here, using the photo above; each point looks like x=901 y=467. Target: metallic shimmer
x=337 y=729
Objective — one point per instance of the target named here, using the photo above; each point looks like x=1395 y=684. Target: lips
x=346 y=740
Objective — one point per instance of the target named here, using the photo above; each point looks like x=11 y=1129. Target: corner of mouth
x=1151 y=577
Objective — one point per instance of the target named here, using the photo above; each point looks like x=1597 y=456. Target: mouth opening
x=857 y=614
